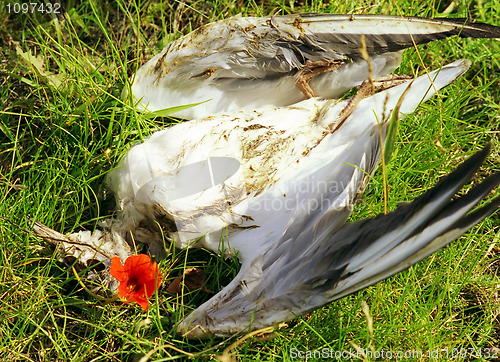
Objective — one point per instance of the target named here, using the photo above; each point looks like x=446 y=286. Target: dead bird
x=272 y=176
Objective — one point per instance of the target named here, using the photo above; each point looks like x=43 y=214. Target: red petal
x=117 y=270
x=141 y=261
x=143 y=302
x=153 y=281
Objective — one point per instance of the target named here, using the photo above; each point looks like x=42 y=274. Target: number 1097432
x=24 y=8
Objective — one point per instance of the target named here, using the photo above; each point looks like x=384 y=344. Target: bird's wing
x=367 y=251
x=295 y=280
x=341 y=34
x=261 y=48
x=248 y=62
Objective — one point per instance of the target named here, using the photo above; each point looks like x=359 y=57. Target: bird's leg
x=310 y=70
x=366 y=89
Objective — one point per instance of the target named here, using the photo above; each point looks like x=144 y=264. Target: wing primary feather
x=387 y=230
x=425 y=236
x=365 y=252
x=434 y=243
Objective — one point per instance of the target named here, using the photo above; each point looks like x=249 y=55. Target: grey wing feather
x=289 y=42
x=365 y=252
x=375 y=249
x=342 y=261
x=385 y=33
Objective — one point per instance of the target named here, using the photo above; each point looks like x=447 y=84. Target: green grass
x=58 y=142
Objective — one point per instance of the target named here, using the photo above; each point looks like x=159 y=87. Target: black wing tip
x=454 y=182
x=472 y=29
x=478 y=192
x=483 y=153
x=465 y=170
x=478 y=215
x=473 y=162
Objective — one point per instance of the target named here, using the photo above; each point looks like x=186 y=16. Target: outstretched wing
x=368 y=251
x=246 y=62
x=295 y=280
x=262 y=48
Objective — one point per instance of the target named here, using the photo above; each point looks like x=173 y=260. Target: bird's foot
x=366 y=89
x=310 y=70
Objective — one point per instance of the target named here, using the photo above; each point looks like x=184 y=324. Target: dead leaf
x=38 y=66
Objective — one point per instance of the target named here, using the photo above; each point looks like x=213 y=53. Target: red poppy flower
x=138 y=279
